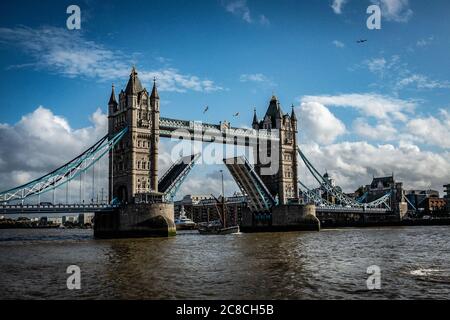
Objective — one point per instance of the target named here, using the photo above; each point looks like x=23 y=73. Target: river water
x=331 y=264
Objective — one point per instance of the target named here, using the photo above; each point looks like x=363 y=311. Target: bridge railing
x=31 y=208
x=350 y=209
x=170 y=126
x=62 y=206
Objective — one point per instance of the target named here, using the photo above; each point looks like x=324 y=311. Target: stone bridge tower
x=282 y=183
x=133 y=164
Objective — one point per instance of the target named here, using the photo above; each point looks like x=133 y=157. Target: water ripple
x=297 y=265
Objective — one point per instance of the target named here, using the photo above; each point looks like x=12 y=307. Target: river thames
x=331 y=264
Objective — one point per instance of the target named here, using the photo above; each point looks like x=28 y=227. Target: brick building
x=202 y=208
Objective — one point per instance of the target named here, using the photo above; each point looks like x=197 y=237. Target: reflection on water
x=332 y=264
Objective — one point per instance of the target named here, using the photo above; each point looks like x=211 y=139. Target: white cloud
x=381 y=131
x=338 y=44
x=354 y=163
x=376 y=64
x=41 y=142
x=171 y=80
x=263 y=20
x=392 y=10
x=195 y=182
x=318 y=124
x=240 y=9
x=70 y=54
x=395 y=10
x=421 y=82
x=369 y=104
x=396 y=75
x=382 y=66
x=337 y=6
x=432 y=130
x=256 y=77
x=425 y=41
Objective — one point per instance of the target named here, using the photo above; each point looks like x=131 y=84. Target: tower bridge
x=135 y=189
x=134 y=161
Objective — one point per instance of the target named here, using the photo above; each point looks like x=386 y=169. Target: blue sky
x=389 y=92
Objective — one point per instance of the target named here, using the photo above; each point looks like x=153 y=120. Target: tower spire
x=112 y=99
x=293 y=116
x=255 y=123
x=255 y=117
x=134 y=84
x=154 y=94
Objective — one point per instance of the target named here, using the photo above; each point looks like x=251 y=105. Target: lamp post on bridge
x=223 y=202
x=223 y=191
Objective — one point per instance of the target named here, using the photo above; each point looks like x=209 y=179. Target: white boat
x=183 y=222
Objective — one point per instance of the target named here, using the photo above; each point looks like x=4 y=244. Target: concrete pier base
x=136 y=220
x=283 y=218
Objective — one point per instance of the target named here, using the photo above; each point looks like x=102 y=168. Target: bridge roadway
x=350 y=210
x=60 y=208
x=221 y=133
x=80 y=208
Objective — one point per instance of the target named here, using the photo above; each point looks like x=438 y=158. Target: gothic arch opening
x=122 y=194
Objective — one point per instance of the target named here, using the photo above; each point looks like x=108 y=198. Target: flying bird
x=206 y=109
x=361 y=41
x=236 y=115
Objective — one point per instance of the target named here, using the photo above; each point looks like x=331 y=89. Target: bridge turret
x=130 y=170
x=255 y=123
x=293 y=115
x=154 y=95
x=134 y=85
x=274 y=112
x=283 y=156
x=112 y=104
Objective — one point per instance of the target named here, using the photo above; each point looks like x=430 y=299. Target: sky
x=365 y=109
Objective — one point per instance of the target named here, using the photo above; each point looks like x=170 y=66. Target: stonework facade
x=283 y=184
x=133 y=162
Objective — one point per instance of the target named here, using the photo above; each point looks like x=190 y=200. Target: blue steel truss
x=65 y=173
x=312 y=196
x=363 y=197
x=176 y=181
x=258 y=196
x=340 y=196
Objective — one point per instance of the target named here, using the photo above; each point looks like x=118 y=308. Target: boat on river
x=183 y=222
x=218 y=230
x=218 y=227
